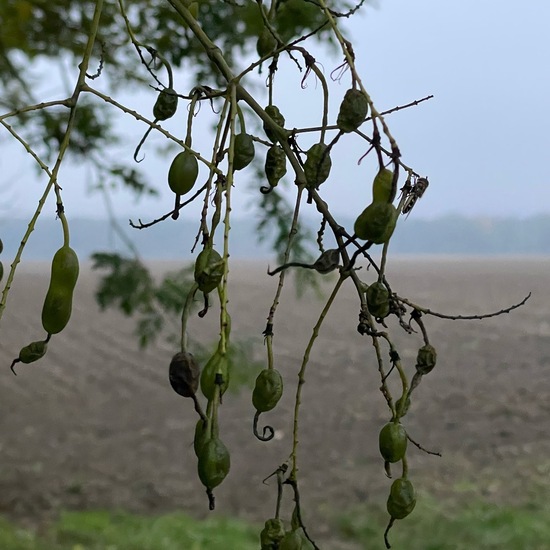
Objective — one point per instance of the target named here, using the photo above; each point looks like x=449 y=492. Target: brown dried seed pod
x=166 y=104
x=184 y=374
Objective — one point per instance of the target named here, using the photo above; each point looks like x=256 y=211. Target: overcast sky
x=482 y=140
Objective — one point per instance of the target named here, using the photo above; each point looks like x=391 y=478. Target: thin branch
x=420 y=447
x=36 y=107
x=141 y=225
x=141 y=118
x=427 y=311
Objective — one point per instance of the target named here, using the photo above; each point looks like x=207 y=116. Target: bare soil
x=96 y=425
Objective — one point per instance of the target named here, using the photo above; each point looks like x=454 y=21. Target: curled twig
x=267 y=429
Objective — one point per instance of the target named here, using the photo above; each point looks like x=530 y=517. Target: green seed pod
x=275 y=165
x=278 y=118
x=183 y=173
x=426 y=359
x=268 y=390
x=382 y=186
x=209 y=268
x=295 y=540
x=216 y=364
x=272 y=534
x=31 y=353
x=1 y=246
x=58 y=303
x=392 y=442
x=166 y=104
x=402 y=499
x=184 y=374
x=266 y=43
x=318 y=164
x=244 y=151
x=378 y=300
x=376 y=223
x=1 y=271
x=214 y=463
x=406 y=406
x=202 y=435
x=353 y=110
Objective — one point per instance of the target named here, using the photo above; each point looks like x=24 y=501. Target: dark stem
x=270 y=431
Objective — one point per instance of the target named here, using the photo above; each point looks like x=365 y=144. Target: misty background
x=452 y=234
x=479 y=140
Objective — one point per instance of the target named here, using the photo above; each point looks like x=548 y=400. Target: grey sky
x=482 y=140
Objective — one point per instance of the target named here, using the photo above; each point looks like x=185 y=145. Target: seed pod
x=266 y=43
x=184 y=374
x=1 y=246
x=275 y=165
x=295 y=540
x=31 y=353
x=392 y=442
x=272 y=534
x=382 y=186
x=209 y=268
x=406 y=406
x=376 y=223
x=426 y=359
x=327 y=262
x=183 y=172
x=166 y=104
x=402 y=499
x=202 y=435
x=353 y=110
x=268 y=390
x=214 y=463
x=58 y=303
x=1 y=271
x=378 y=300
x=216 y=364
x=244 y=151
x=278 y=118
x=318 y=164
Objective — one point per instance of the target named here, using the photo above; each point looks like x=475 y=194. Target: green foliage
x=441 y=525
x=99 y=530
x=33 y=29
x=131 y=178
x=437 y=525
x=129 y=286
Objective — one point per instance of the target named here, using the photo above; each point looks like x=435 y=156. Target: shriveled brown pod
x=184 y=374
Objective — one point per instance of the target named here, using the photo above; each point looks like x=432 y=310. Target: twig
x=427 y=311
x=435 y=453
